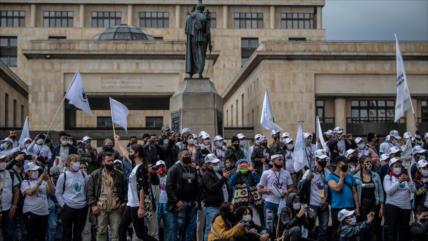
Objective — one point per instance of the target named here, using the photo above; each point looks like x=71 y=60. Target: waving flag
x=25 y=133
x=267 y=120
x=119 y=114
x=320 y=137
x=299 y=153
x=403 y=101
x=76 y=95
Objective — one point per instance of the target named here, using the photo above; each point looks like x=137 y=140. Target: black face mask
x=322 y=164
x=236 y=146
x=108 y=148
x=354 y=159
x=131 y=157
x=344 y=168
x=18 y=163
x=109 y=167
x=186 y=159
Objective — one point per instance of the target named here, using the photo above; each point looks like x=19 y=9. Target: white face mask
x=297 y=206
x=353 y=220
x=3 y=165
x=242 y=143
x=207 y=142
x=75 y=166
x=190 y=141
x=218 y=143
x=290 y=146
x=246 y=218
x=64 y=142
x=424 y=172
x=361 y=146
x=216 y=168
x=396 y=170
x=39 y=142
x=34 y=175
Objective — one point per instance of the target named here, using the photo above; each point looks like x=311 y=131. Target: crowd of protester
x=186 y=186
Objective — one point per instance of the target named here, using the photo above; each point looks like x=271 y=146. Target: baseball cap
x=241 y=161
x=205 y=136
x=422 y=163
x=395 y=134
x=117 y=161
x=338 y=130
x=358 y=140
x=273 y=157
x=211 y=158
x=285 y=135
x=185 y=130
x=218 y=138
x=394 y=149
x=407 y=135
x=31 y=166
x=328 y=133
x=426 y=135
x=306 y=135
x=240 y=136
x=86 y=138
x=320 y=154
x=349 y=152
x=288 y=140
x=160 y=162
x=383 y=157
x=394 y=160
x=274 y=132
x=418 y=150
x=344 y=214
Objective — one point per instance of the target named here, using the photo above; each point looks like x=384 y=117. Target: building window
x=104 y=122
x=105 y=19
x=297 y=20
x=56 y=37
x=248 y=20
x=154 y=19
x=6 y=110
x=242 y=110
x=8 y=51
x=320 y=110
x=372 y=111
x=15 y=114
x=12 y=18
x=248 y=46
x=58 y=19
x=154 y=121
x=213 y=19
x=22 y=115
x=231 y=116
x=424 y=110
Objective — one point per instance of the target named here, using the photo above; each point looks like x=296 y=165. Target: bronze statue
x=198 y=38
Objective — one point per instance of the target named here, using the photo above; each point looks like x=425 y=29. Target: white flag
x=403 y=101
x=76 y=94
x=299 y=153
x=25 y=133
x=119 y=114
x=320 y=137
x=266 y=119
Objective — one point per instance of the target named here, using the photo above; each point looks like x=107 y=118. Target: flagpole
x=112 y=122
x=53 y=119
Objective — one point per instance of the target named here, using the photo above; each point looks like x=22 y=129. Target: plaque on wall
x=175 y=121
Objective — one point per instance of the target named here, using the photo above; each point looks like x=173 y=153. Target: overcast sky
x=376 y=19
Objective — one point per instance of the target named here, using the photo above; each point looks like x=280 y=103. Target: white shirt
x=7 y=194
x=163 y=197
x=277 y=182
x=133 y=195
x=398 y=194
x=38 y=202
x=73 y=194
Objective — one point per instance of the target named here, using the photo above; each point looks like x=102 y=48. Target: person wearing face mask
x=352 y=156
x=64 y=148
x=370 y=196
x=219 y=149
x=339 y=144
x=260 y=155
x=234 y=151
x=391 y=140
x=70 y=193
x=275 y=184
x=151 y=150
x=193 y=147
x=276 y=145
x=399 y=189
x=421 y=184
x=88 y=154
x=35 y=210
x=168 y=149
x=106 y=197
x=215 y=190
x=108 y=147
x=205 y=145
x=183 y=189
x=253 y=232
x=310 y=148
x=313 y=190
x=350 y=230
x=419 y=153
x=40 y=149
x=295 y=219
x=343 y=192
x=225 y=225
x=12 y=136
x=162 y=202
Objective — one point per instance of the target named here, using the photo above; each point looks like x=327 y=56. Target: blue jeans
x=186 y=222
x=210 y=213
x=270 y=211
x=323 y=216
x=168 y=222
x=8 y=226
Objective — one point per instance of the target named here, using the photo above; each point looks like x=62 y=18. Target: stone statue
x=198 y=36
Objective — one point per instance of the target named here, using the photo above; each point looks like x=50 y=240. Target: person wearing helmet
x=276 y=146
x=260 y=155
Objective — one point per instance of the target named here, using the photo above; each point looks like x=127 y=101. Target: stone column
x=412 y=120
x=82 y=16
x=130 y=8
x=33 y=15
x=340 y=112
x=225 y=16
x=319 y=18
x=177 y=16
x=272 y=17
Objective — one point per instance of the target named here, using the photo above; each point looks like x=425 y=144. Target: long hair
x=227 y=215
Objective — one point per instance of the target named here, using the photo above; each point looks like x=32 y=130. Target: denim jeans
x=8 y=226
x=270 y=211
x=210 y=213
x=52 y=224
x=171 y=231
x=323 y=216
x=186 y=222
x=168 y=222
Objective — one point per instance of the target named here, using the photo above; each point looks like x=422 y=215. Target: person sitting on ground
x=225 y=227
x=349 y=229
x=253 y=231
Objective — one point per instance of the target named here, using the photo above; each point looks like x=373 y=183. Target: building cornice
x=328 y=51
x=11 y=78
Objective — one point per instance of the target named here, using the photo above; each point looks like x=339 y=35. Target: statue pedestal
x=198 y=106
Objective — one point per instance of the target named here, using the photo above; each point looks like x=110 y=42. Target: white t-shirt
x=7 y=194
x=277 y=182
x=73 y=194
x=133 y=195
x=38 y=202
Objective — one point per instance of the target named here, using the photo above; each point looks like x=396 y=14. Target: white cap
x=7 y=139
x=338 y=130
x=211 y=158
x=184 y=130
x=344 y=214
x=422 y=163
x=31 y=166
x=285 y=135
x=86 y=138
x=27 y=139
x=218 y=138
x=117 y=161
x=320 y=154
x=418 y=150
x=426 y=135
x=395 y=134
x=358 y=140
x=275 y=156
x=274 y=132
x=394 y=149
x=306 y=135
x=205 y=136
x=349 y=152
x=407 y=135
x=240 y=136
x=394 y=160
x=383 y=157
x=160 y=162
x=328 y=133
x=3 y=155
x=202 y=133
x=288 y=140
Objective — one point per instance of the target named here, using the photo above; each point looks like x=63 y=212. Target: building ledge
x=10 y=77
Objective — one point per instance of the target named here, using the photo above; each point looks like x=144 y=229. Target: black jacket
x=174 y=185
x=213 y=189
x=94 y=186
